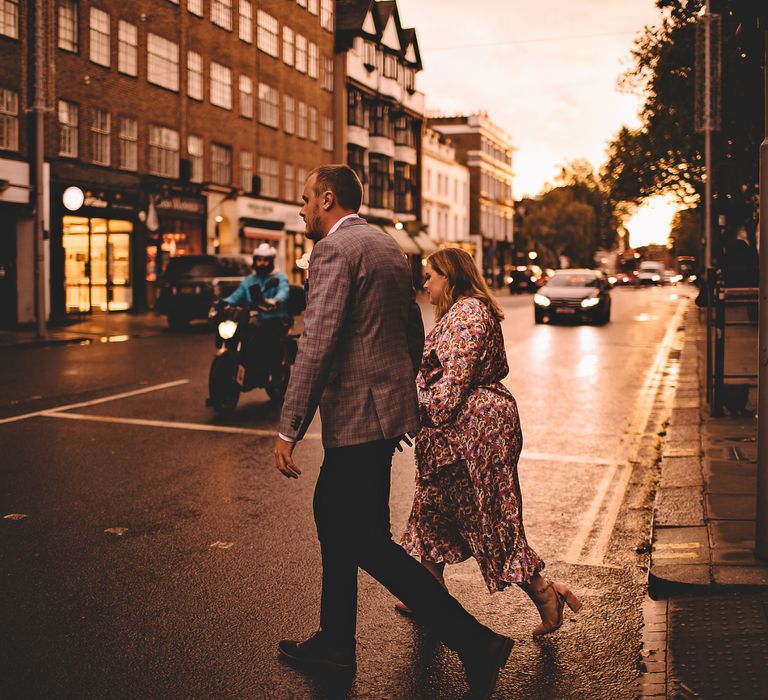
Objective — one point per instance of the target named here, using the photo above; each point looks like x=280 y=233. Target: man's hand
x=404 y=439
x=284 y=459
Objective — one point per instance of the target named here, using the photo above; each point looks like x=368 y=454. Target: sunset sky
x=546 y=72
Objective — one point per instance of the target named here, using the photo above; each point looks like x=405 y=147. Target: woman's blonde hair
x=463 y=280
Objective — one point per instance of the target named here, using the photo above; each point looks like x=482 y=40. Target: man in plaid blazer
x=358 y=358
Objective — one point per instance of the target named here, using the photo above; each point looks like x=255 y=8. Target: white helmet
x=264 y=250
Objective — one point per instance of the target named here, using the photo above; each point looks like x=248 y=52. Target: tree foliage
x=665 y=155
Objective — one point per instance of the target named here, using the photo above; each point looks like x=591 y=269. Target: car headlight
x=541 y=300
x=591 y=301
x=227 y=329
x=655 y=278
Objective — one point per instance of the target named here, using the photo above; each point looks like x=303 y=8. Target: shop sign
x=186 y=204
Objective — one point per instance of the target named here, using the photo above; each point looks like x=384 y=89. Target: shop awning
x=403 y=240
x=424 y=242
x=260 y=233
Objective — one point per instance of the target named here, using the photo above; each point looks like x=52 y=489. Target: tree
x=665 y=155
x=685 y=234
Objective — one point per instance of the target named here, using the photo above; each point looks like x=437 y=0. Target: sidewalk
x=98 y=327
x=706 y=622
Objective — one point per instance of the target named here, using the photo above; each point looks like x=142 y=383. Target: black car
x=574 y=294
x=524 y=278
x=191 y=283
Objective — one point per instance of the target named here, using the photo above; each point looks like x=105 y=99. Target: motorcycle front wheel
x=278 y=382
x=223 y=389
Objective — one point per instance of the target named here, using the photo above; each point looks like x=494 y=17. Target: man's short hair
x=342 y=181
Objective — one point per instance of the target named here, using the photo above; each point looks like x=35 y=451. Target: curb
x=44 y=342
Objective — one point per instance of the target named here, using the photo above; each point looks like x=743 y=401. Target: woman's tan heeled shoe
x=551 y=602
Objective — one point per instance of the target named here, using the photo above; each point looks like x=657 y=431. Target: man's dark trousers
x=351 y=507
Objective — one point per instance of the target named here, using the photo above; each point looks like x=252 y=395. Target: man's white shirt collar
x=341 y=221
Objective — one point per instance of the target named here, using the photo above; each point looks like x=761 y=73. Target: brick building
x=384 y=118
x=487 y=151
x=184 y=126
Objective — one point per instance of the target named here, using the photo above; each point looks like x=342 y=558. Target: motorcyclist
x=274 y=317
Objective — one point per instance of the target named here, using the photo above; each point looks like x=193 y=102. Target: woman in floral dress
x=467 y=501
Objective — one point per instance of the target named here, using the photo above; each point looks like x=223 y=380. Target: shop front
x=94 y=245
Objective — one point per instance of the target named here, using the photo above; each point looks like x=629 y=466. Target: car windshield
x=573 y=280
x=205 y=266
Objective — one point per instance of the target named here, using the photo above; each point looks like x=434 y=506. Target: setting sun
x=651 y=222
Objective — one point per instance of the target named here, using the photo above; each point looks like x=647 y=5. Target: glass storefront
x=97 y=264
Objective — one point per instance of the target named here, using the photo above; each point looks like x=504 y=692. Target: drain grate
x=718 y=646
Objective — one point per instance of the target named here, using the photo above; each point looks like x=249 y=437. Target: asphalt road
x=216 y=557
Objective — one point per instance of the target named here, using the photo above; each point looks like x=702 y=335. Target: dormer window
x=391 y=66
x=369 y=55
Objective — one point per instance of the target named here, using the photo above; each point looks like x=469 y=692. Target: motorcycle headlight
x=541 y=300
x=591 y=301
x=227 y=329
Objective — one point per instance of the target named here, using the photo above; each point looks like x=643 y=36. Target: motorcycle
x=238 y=364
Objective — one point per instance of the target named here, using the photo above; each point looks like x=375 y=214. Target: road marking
x=94 y=402
x=179 y=425
x=678 y=545
x=600 y=518
x=575 y=459
x=676 y=555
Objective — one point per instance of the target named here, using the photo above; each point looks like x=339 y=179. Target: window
x=194 y=75
x=326 y=14
x=100 y=133
x=269 y=109
x=129 y=144
x=221 y=86
x=68 y=123
x=268 y=38
x=246 y=97
x=403 y=187
x=312 y=7
x=246 y=171
x=369 y=54
x=245 y=25
x=268 y=172
x=9 y=18
x=404 y=131
x=301 y=53
x=301 y=178
x=68 y=25
x=327 y=137
x=221 y=13
x=327 y=77
x=289 y=184
x=380 y=122
x=313 y=124
x=221 y=164
x=195 y=7
x=288 y=46
x=380 y=181
x=356 y=160
x=390 y=66
x=301 y=127
x=312 y=68
x=127 y=51
x=409 y=79
x=195 y=154
x=301 y=3
x=289 y=114
x=9 y=120
x=162 y=62
x=99 y=35
x=163 y=151
x=357 y=114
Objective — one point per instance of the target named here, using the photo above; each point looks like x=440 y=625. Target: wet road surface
x=218 y=558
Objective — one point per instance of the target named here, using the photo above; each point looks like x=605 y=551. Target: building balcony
x=358 y=136
x=405 y=154
x=382 y=144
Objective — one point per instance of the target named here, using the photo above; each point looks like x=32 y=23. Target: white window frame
x=221 y=14
x=69 y=123
x=195 y=80
x=221 y=164
x=312 y=7
x=301 y=178
x=312 y=135
x=268 y=34
x=100 y=136
x=269 y=174
x=245 y=85
x=246 y=171
x=313 y=61
x=195 y=7
x=289 y=183
x=326 y=15
x=9 y=18
x=327 y=74
x=245 y=21
x=129 y=143
x=269 y=105
x=127 y=48
x=289 y=46
x=163 y=151
x=99 y=35
x=196 y=155
x=302 y=3
x=221 y=86
x=301 y=120
x=301 y=53
x=162 y=62
x=326 y=139
x=289 y=114
x=67 y=22
x=9 y=120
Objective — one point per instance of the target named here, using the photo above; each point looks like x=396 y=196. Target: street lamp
x=533 y=255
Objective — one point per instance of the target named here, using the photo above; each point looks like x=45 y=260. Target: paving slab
x=680 y=506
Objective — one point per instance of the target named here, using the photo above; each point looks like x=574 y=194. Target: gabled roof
x=411 y=48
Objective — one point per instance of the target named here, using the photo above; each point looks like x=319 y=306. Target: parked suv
x=650 y=272
x=191 y=283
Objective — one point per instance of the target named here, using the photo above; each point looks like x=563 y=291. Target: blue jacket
x=242 y=297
